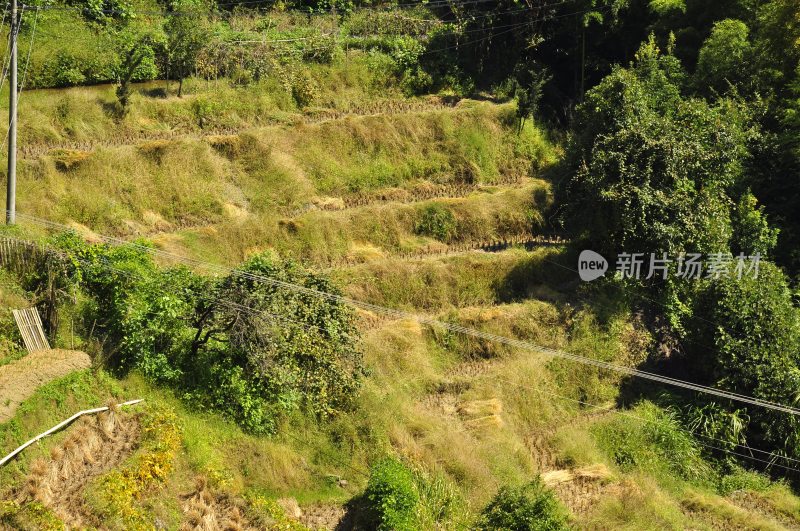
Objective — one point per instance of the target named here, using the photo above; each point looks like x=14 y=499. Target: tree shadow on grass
x=358 y=516
x=542 y=275
x=154 y=92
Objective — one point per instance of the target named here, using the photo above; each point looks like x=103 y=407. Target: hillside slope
x=408 y=203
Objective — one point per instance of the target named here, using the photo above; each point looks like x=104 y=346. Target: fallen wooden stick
x=61 y=425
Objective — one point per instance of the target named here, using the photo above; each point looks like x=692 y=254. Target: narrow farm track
x=21 y=378
x=527 y=241
x=133 y=138
x=418 y=192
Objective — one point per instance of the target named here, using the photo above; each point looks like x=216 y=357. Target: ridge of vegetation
x=332 y=144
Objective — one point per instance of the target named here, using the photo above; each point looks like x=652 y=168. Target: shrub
x=240 y=398
x=304 y=89
x=320 y=49
x=406 y=52
x=754 y=329
x=751 y=231
x=204 y=111
x=63 y=70
x=392 y=496
x=652 y=438
x=529 y=507
x=416 y=81
x=436 y=221
x=744 y=480
x=239 y=345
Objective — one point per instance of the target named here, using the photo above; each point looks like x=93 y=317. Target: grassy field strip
x=326 y=238
x=526 y=241
x=416 y=193
x=399 y=196
x=419 y=192
x=470 y=279
x=319 y=116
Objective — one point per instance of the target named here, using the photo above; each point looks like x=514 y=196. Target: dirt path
x=21 y=378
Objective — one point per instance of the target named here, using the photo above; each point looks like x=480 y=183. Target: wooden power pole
x=11 y=191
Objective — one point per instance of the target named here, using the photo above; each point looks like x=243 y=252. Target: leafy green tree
x=751 y=231
x=529 y=83
x=187 y=32
x=106 y=11
x=531 y=507
x=776 y=165
x=666 y=7
x=136 y=51
x=651 y=172
x=725 y=59
x=754 y=329
x=778 y=39
x=253 y=350
x=300 y=347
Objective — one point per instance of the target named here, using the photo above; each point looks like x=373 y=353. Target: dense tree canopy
x=650 y=171
x=253 y=350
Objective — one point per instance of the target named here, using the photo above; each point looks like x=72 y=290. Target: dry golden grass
x=252 y=186
x=206 y=510
x=94 y=446
x=720 y=513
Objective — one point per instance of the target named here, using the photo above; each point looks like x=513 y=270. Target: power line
x=616 y=411
x=400 y=314
x=24 y=71
x=248 y=309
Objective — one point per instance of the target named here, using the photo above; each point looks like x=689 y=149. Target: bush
x=436 y=221
x=416 y=81
x=652 y=439
x=304 y=89
x=529 y=507
x=754 y=329
x=744 y=480
x=288 y=350
x=63 y=70
x=204 y=111
x=392 y=496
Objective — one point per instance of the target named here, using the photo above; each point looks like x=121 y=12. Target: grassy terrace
x=382 y=192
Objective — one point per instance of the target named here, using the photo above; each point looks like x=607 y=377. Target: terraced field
x=431 y=206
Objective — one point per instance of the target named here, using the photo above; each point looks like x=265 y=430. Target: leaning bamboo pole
x=61 y=425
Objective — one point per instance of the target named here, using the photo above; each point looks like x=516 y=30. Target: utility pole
x=11 y=191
